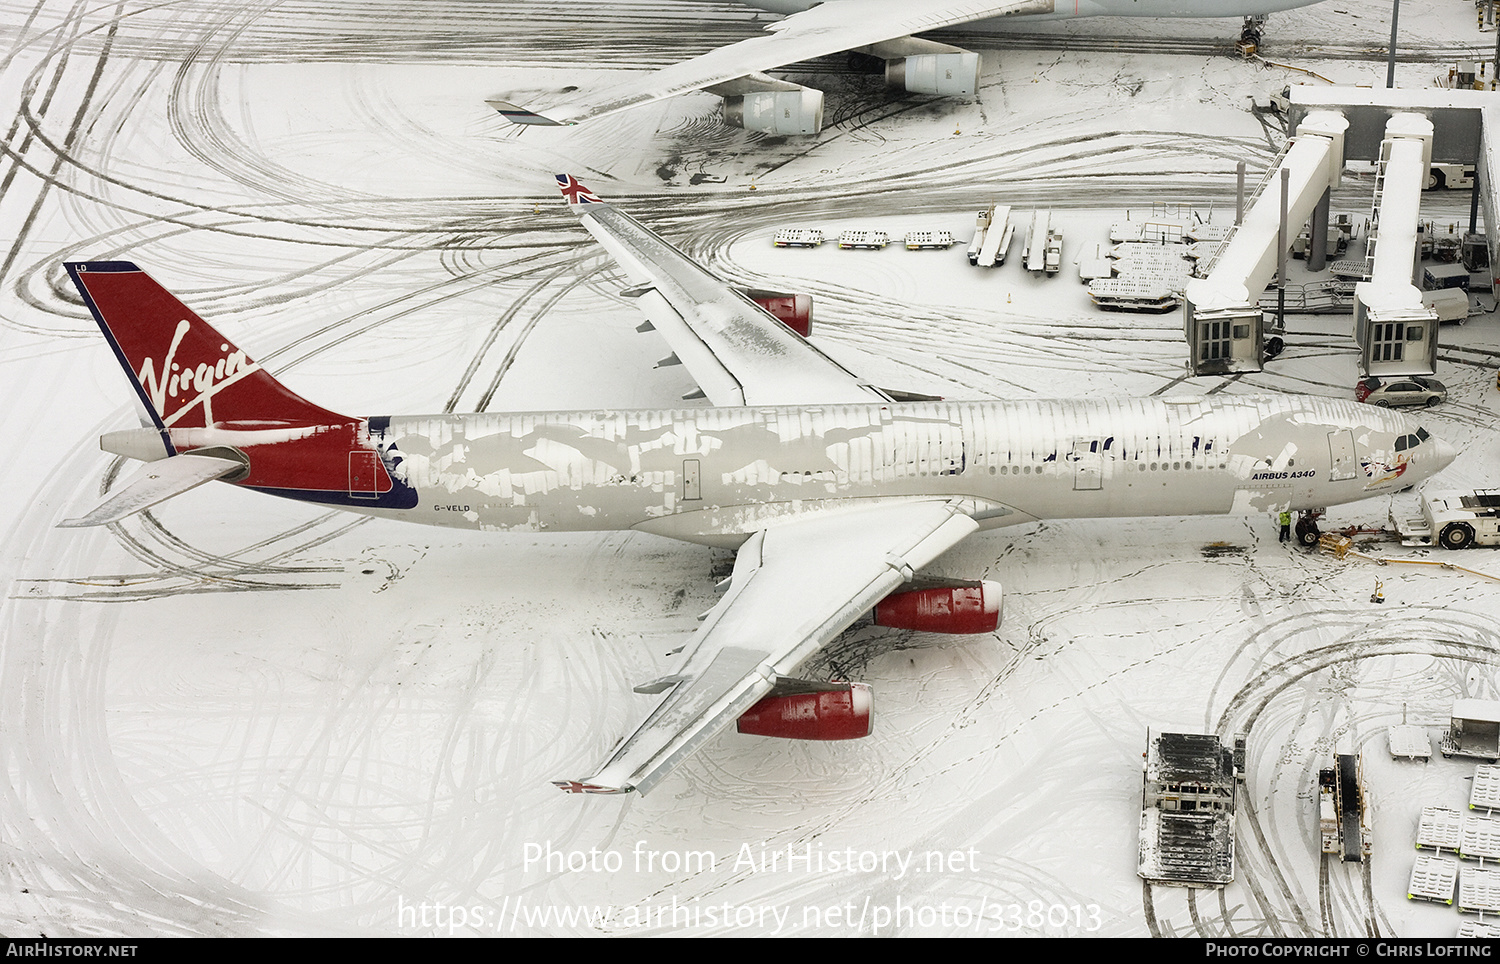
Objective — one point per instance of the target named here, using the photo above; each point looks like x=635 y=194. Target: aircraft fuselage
x=715 y=475
x=1071 y=9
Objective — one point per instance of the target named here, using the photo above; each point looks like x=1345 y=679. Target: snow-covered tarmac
x=241 y=716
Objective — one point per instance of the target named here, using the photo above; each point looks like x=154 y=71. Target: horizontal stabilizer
x=520 y=115
x=156 y=482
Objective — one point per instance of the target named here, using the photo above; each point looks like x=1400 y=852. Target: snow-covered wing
x=738 y=353
x=794 y=588
x=828 y=28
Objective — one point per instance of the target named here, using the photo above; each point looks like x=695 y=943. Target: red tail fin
x=207 y=396
x=188 y=375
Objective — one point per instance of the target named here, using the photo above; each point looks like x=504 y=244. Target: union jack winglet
x=575 y=193
x=574 y=786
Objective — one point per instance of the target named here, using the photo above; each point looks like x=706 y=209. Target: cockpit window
x=1422 y=435
x=1401 y=443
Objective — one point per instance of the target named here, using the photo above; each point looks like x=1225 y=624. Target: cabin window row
x=1142 y=467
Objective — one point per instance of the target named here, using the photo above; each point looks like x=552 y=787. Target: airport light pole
x=1282 y=243
x=1390 y=61
x=1239 y=193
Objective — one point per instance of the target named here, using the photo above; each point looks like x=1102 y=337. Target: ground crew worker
x=1286 y=525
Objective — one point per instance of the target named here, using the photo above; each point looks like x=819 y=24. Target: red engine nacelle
x=794 y=311
x=951 y=609
x=831 y=715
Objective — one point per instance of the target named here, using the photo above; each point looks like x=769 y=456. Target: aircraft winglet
x=574 y=192
x=520 y=115
x=577 y=786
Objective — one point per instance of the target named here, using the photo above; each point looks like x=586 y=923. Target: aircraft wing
x=795 y=587
x=738 y=353
x=828 y=28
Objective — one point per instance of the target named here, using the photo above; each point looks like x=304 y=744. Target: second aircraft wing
x=827 y=28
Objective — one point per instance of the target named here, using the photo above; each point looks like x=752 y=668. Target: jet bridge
x=1396 y=330
x=1466 y=130
x=1223 y=320
x=1389 y=126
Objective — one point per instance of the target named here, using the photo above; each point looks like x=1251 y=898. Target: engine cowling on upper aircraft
x=797 y=111
x=948 y=75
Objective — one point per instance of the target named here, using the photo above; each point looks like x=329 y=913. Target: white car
x=1402 y=390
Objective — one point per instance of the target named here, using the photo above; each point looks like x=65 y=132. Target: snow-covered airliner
x=880 y=29
x=835 y=494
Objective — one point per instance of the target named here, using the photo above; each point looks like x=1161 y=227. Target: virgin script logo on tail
x=204 y=379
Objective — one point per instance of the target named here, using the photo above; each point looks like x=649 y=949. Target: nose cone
x=1443 y=454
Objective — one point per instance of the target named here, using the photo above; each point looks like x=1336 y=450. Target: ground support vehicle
x=1453 y=520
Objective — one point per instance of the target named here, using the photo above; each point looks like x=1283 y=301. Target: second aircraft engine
x=952 y=75
x=797 y=111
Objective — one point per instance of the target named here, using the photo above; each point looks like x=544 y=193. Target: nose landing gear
x=1307 y=529
x=1250 y=36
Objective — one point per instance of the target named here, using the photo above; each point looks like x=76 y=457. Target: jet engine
x=927 y=67
x=792 y=310
x=952 y=75
x=973 y=608
x=796 y=111
x=841 y=713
